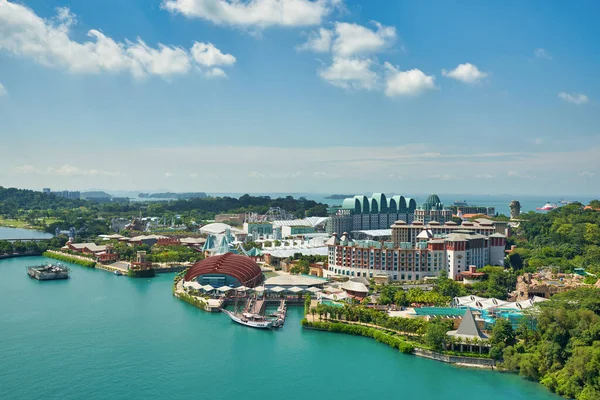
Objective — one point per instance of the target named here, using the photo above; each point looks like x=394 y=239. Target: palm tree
x=313 y=311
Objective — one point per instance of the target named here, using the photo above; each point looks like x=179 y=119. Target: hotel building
x=368 y=213
x=435 y=248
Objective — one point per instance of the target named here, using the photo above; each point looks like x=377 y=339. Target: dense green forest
x=567 y=237
x=47 y=211
x=559 y=345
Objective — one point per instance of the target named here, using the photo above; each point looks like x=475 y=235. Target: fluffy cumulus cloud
x=352 y=48
x=350 y=40
x=407 y=83
x=207 y=55
x=353 y=39
x=350 y=74
x=318 y=41
x=254 y=13
x=2 y=90
x=575 y=98
x=467 y=73
x=47 y=42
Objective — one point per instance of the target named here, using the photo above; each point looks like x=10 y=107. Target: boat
x=547 y=207
x=118 y=273
x=48 y=272
x=459 y=203
x=249 y=319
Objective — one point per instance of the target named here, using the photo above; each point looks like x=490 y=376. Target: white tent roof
x=490 y=303
x=192 y=284
x=224 y=289
x=277 y=289
x=461 y=301
x=241 y=288
x=313 y=289
x=295 y=289
x=259 y=289
x=355 y=287
x=207 y=288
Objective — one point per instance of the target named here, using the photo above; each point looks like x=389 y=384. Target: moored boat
x=251 y=320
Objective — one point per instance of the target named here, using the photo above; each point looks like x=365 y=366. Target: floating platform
x=48 y=272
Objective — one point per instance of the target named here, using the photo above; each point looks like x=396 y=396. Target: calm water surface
x=19 y=233
x=100 y=336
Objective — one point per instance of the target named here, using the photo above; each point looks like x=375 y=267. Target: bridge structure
x=28 y=240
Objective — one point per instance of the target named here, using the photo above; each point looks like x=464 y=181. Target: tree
x=435 y=335
x=447 y=287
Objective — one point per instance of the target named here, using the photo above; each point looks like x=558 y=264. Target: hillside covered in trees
x=567 y=237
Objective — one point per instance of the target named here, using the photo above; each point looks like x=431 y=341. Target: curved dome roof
x=433 y=200
x=242 y=268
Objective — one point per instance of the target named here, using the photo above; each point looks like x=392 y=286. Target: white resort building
x=435 y=248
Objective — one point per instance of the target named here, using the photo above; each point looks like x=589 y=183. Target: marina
x=179 y=333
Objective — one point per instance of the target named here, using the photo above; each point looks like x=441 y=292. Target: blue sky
x=301 y=96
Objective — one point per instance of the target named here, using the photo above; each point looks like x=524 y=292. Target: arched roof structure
x=379 y=203
x=242 y=268
x=364 y=204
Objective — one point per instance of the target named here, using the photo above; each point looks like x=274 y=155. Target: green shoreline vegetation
x=358 y=330
x=70 y=259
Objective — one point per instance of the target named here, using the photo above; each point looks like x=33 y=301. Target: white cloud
x=208 y=55
x=318 y=41
x=64 y=170
x=352 y=47
x=350 y=74
x=354 y=39
x=259 y=13
x=587 y=174
x=484 y=176
x=542 y=53
x=407 y=83
x=575 y=98
x=350 y=40
x=168 y=174
x=467 y=73
x=3 y=90
x=24 y=34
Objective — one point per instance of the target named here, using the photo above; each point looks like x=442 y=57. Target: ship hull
x=252 y=324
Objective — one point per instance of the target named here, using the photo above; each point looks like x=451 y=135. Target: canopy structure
x=241 y=288
x=313 y=289
x=277 y=289
x=192 y=285
x=259 y=289
x=295 y=289
x=224 y=289
x=208 y=288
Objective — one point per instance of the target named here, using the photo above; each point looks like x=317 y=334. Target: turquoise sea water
x=100 y=336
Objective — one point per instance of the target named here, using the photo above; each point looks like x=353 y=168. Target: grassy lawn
x=13 y=223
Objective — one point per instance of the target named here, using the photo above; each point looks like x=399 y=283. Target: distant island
x=177 y=196
x=339 y=196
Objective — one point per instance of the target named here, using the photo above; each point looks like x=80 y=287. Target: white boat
x=118 y=273
x=248 y=319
